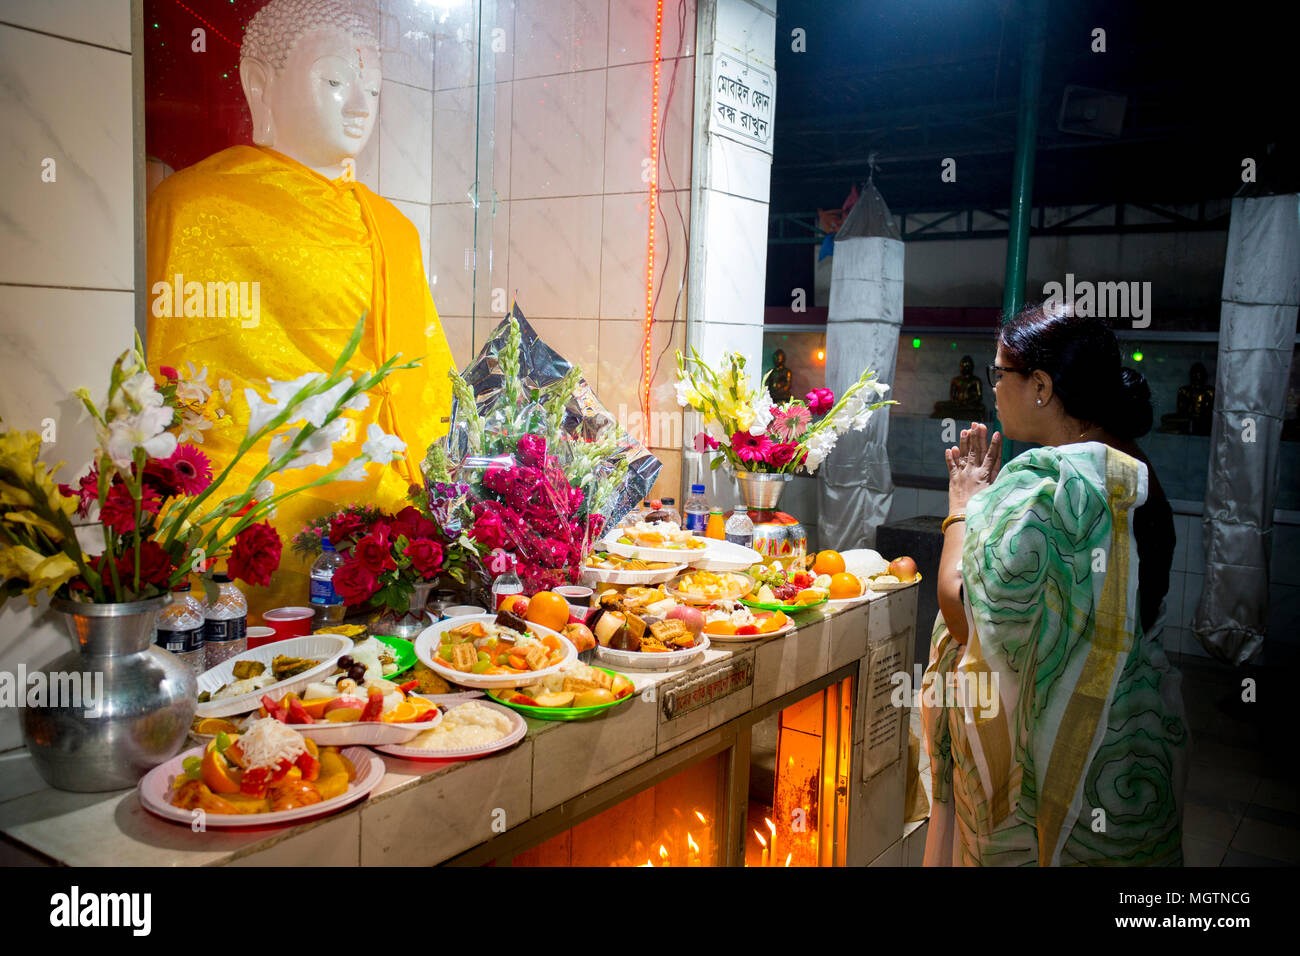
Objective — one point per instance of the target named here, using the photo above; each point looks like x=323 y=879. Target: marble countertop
x=427 y=811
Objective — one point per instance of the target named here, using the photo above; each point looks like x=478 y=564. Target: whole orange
x=845 y=585
x=828 y=562
x=548 y=609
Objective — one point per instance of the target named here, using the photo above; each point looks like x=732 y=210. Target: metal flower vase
x=776 y=534
x=115 y=706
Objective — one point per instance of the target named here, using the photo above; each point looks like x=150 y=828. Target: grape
x=357 y=672
x=346 y=662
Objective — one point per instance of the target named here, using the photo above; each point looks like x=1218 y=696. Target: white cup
x=460 y=610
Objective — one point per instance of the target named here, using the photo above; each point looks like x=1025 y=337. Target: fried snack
x=284 y=666
x=246 y=669
x=428 y=682
x=582 y=677
x=463 y=656
x=346 y=630
x=671 y=632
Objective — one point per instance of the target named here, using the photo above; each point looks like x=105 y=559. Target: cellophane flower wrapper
x=533 y=464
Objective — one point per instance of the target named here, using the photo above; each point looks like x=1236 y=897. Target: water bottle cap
x=741 y=508
x=697 y=489
x=325 y=544
x=221 y=577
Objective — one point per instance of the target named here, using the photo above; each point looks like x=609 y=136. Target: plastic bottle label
x=744 y=540
x=181 y=642
x=322 y=592
x=697 y=521
x=228 y=629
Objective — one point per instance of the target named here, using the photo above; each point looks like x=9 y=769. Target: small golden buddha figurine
x=780 y=378
x=965 y=395
x=1195 y=414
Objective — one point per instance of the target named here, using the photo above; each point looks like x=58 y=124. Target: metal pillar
x=1034 y=43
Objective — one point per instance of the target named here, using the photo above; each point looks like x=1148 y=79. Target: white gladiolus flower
x=762 y=413
x=380 y=447
x=354 y=470
x=146 y=430
x=193 y=426
x=260 y=413
x=687 y=396
x=283 y=392
x=715 y=431
x=316 y=408
x=820 y=444
x=265 y=490
x=195 y=388
x=360 y=402
x=317 y=449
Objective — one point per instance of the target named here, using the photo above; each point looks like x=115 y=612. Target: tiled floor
x=1242 y=802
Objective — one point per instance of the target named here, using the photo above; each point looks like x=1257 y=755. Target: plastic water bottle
x=670 y=505
x=504 y=587
x=325 y=601
x=225 y=623
x=697 y=511
x=740 y=530
x=180 y=628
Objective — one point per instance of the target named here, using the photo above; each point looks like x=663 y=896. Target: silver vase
x=116 y=706
x=761 y=490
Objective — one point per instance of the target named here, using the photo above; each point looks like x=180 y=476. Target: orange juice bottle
x=716 y=528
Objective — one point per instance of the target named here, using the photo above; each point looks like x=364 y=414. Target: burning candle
x=762 y=842
x=771 y=829
x=663 y=856
x=693 y=857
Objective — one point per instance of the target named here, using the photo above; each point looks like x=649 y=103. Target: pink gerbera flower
x=193 y=469
x=751 y=448
x=704 y=443
x=790 y=422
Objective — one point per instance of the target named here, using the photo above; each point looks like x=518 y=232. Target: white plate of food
x=428 y=644
x=726 y=556
x=157 y=789
x=651 y=660
x=705 y=587
x=608 y=568
x=887 y=582
x=742 y=618
x=467 y=725
x=324 y=648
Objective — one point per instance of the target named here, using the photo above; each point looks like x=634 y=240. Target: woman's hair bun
x=1131 y=415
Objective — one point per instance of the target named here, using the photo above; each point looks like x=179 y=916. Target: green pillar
x=1034 y=44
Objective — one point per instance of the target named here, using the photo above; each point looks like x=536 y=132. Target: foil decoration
x=501 y=408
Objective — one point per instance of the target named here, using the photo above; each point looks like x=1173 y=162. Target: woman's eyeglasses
x=994 y=373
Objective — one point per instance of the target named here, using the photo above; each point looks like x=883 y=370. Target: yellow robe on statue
x=323 y=253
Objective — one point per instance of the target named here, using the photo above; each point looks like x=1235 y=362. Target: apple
x=580 y=635
x=692 y=617
x=903 y=568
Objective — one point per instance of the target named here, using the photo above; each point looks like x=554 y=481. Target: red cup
x=289 y=621
x=257 y=636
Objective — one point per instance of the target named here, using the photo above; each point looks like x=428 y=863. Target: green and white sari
x=1081 y=757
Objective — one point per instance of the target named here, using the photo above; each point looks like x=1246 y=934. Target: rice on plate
x=468 y=725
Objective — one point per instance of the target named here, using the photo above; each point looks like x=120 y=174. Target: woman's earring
x=1040 y=401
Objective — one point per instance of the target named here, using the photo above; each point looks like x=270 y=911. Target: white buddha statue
x=287 y=218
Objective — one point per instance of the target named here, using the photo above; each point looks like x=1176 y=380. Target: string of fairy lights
x=646 y=345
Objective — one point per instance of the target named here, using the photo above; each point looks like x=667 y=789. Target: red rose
x=354 y=582
x=169 y=373
x=414 y=525
x=155 y=565
x=345 y=529
x=426 y=556
x=160 y=476
x=119 y=507
x=782 y=454
x=374 y=553
x=255 y=555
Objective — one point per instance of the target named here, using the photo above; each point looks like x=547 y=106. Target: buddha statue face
x=310 y=71
x=967 y=366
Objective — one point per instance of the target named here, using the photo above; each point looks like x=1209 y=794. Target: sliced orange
x=216 y=773
x=719 y=627
x=768 y=623
x=316 y=707
x=215 y=725
x=401 y=714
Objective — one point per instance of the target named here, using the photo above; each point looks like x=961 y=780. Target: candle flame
x=690 y=841
x=788 y=859
x=701 y=816
x=770 y=825
x=645 y=864
x=761 y=839
x=663 y=854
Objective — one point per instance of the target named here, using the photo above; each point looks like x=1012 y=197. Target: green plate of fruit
x=403 y=653
x=538 y=708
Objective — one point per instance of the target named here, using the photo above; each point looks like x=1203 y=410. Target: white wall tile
x=103 y=22
x=451 y=257
x=460 y=337
x=560 y=36
x=405 y=143
x=632 y=31
x=748 y=30
x=454 y=127
x=735 y=259
x=627 y=129
x=455 y=53
x=739 y=170
x=70 y=103
x=557 y=139
x=406 y=41
x=555 y=256
x=714 y=338
x=623 y=255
